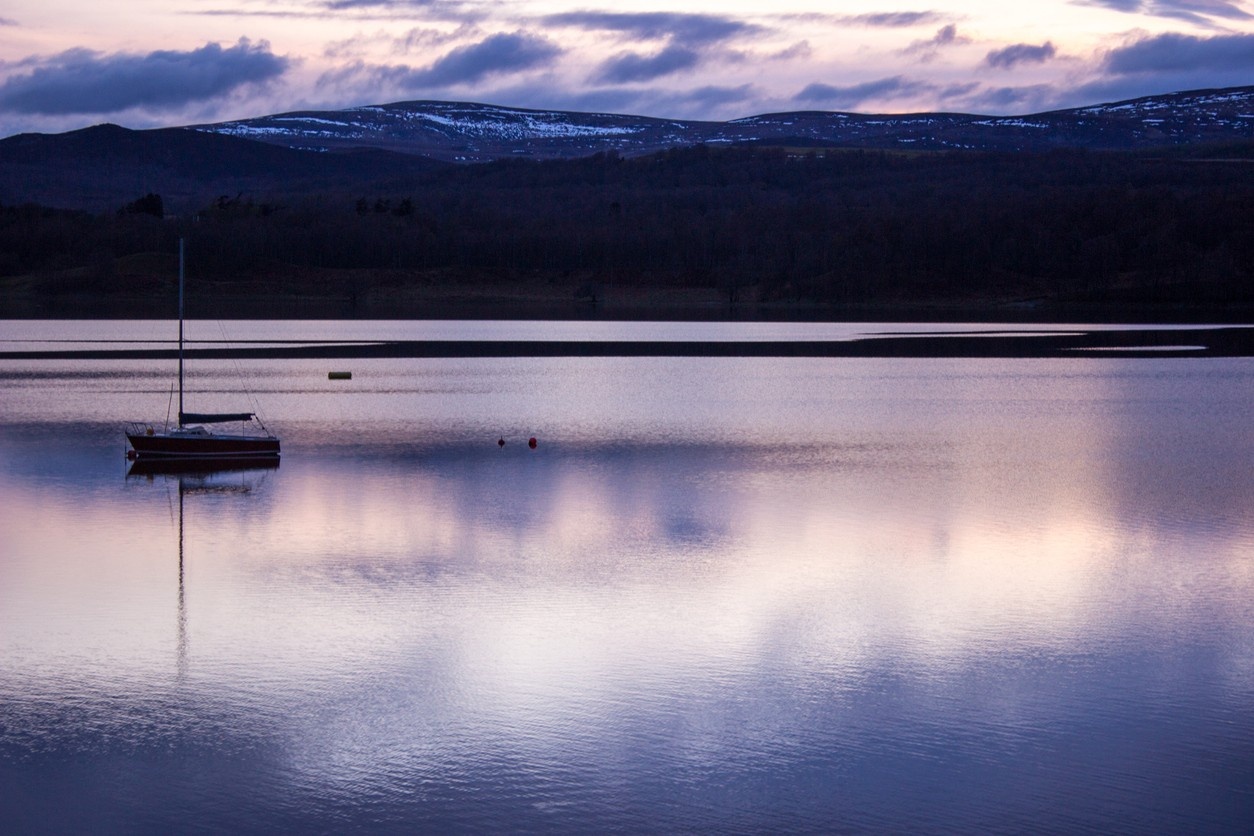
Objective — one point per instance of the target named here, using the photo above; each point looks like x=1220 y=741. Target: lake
x=732 y=594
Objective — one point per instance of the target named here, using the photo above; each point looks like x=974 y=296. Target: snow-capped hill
x=468 y=132
x=1219 y=103
x=459 y=131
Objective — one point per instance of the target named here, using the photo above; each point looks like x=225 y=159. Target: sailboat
x=190 y=439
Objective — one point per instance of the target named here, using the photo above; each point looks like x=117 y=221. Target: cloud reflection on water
x=798 y=612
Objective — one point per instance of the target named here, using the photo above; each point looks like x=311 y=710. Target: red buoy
x=531 y=442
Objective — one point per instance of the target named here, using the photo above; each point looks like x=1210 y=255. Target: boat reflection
x=195 y=476
x=198 y=467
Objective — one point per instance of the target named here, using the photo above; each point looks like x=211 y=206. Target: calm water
x=734 y=595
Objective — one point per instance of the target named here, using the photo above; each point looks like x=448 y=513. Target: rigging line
x=239 y=373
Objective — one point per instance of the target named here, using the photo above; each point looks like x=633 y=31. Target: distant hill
x=465 y=132
x=1137 y=208
x=390 y=148
x=102 y=167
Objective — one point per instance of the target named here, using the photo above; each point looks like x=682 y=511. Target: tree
x=149 y=204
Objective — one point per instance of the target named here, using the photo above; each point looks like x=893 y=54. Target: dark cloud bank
x=1170 y=62
x=688 y=37
x=500 y=54
x=1174 y=53
x=86 y=82
x=1008 y=57
x=1194 y=11
x=632 y=66
x=690 y=29
x=850 y=96
x=503 y=53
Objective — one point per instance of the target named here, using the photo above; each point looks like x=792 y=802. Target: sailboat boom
x=213 y=417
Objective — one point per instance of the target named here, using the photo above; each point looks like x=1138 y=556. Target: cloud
x=948 y=35
x=435 y=9
x=688 y=38
x=279 y=13
x=374 y=4
x=356 y=10
x=494 y=55
x=500 y=54
x=415 y=40
x=594 y=100
x=1193 y=11
x=632 y=66
x=691 y=29
x=714 y=96
x=801 y=49
x=708 y=102
x=895 y=20
x=1168 y=63
x=1173 y=53
x=945 y=36
x=1008 y=57
x=855 y=94
x=7 y=21
x=81 y=81
x=1032 y=98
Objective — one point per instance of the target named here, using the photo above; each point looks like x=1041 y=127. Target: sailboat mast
x=180 y=332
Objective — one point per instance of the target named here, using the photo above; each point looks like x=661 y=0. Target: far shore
x=1201 y=341
x=557 y=302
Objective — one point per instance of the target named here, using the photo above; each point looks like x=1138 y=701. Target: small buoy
x=500 y=442
x=339 y=375
x=531 y=442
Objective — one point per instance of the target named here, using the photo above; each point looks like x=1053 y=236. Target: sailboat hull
x=202 y=445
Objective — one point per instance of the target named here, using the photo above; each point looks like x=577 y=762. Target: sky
x=67 y=64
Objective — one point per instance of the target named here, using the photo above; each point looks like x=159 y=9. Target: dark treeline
x=758 y=226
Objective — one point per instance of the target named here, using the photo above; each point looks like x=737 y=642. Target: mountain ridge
x=389 y=149
x=474 y=132
x=752 y=229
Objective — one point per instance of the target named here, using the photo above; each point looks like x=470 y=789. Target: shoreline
x=560 y=302
x=1215 y=341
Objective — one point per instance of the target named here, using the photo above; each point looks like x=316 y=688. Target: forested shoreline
x=753 y=232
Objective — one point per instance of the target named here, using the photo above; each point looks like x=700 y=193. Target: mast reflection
x=197 y=476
